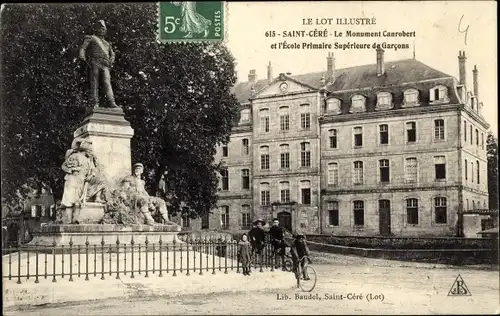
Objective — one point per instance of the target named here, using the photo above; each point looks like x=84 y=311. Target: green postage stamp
x=190 y=21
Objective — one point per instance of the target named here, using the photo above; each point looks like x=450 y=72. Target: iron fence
x=187 y=256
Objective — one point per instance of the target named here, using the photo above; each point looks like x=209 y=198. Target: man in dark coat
x=276 y=234
x=257 y=237
x=298 y=250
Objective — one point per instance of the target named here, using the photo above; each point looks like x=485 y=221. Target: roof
x=357 y=77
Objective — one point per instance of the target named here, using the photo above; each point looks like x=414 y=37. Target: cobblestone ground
x=344 y=286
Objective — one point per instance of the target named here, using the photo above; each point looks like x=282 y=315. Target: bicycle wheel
x=309 y=284
x=288 y=266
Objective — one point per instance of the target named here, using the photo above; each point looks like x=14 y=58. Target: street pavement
x=346 y=285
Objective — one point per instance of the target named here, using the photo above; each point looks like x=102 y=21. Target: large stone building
x=391 y=148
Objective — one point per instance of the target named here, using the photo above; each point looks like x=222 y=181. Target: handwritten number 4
x=463 y=31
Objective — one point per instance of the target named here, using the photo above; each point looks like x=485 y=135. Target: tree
x=492 y=152
x=176 y=96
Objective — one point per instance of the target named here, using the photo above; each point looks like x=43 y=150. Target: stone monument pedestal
x=88 y=213
x=79 y=234
x=110 y=135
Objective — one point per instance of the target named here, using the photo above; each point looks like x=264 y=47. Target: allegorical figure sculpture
x=83 y=180
x=192 y=21
x=99 y=56
x=143 y=202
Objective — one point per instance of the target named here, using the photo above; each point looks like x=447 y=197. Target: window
x=440 y=210
x=411 y=132
x=439 y=129
x=439 y=93
x=225 y=180
x=359 y=213
x=333 y=173
x=473 y=204
x=440 y=167
x=205 y=221
x=410 y=97
x=284 y=156
x=467 y=203
x=465 y=131
x=305 y=154
x=245 y=179
x=470 y=136
x=384 y=100
x=245 y=115
x=472 y=172
x=466 y=173
x=358 y=172
x=357 y=104
x=333 y=213
x=358 y=136
x=482 y=141
x=384 y=170
x=264 y=120
x=412 y=211
x=285 y=192
x=186 y=221
x=245 y=147
x=333 y=138
x=305 y=189
x=245 y=217
x=225 y=151
x=224 y=217
x=305 y=120
x=384 y=134
x=265 y=195
x=333 y=106
x=284 y=118
x=411 y=170
x=477 y=172
x=264 y=158
x=477 y=137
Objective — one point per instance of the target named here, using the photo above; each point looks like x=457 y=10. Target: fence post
x=10 y=263
x=95 y=259
x=187 y=254
x=139 y=254
x=36 y=262
x=154 y=255
x=70 y=260
x=200 y=249
x=102 y=258
x=180 y=250
x=79 y=250
x=117 y=257
x=45 y=253
x=86 y=259
x=225 y=255
x=53 y=260
x=234 y=253
x=132 y=254
x=125 y=258
x=273 y=258
x=206 y=245
x=212 y=245
x=160 y=244
x=146 y=242
x=173 y=246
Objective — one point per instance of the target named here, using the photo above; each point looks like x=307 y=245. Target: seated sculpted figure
x=83 y=180
x=147 y=205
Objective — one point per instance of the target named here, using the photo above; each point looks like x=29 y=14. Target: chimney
x=475 y=82
x=252 y=76
x=380 y=62
x=330 y=68
x=269 y=73
x=461 y=67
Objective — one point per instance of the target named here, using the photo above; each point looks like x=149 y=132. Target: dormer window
x=333 y=106
x=438 y=94
x=384 y=100
x=410 y=97
x=357 y=104
x=245 y=115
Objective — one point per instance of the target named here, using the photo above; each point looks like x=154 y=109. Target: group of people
x=253 y=243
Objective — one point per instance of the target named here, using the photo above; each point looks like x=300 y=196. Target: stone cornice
x=325 y=192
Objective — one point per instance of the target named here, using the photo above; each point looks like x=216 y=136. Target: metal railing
x=131 y=259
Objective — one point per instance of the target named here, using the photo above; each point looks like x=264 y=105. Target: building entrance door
x=285 y=219
x=384 y=215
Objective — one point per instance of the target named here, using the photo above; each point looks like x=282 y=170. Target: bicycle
x=305 y=284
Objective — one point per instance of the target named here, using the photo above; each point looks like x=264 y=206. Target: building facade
x=393 y=148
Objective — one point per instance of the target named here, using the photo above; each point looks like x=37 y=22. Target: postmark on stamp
x=190 y=21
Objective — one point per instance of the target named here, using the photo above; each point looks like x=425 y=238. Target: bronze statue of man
x=99 y=55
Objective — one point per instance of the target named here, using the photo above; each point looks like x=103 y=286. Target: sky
x=442 y=29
